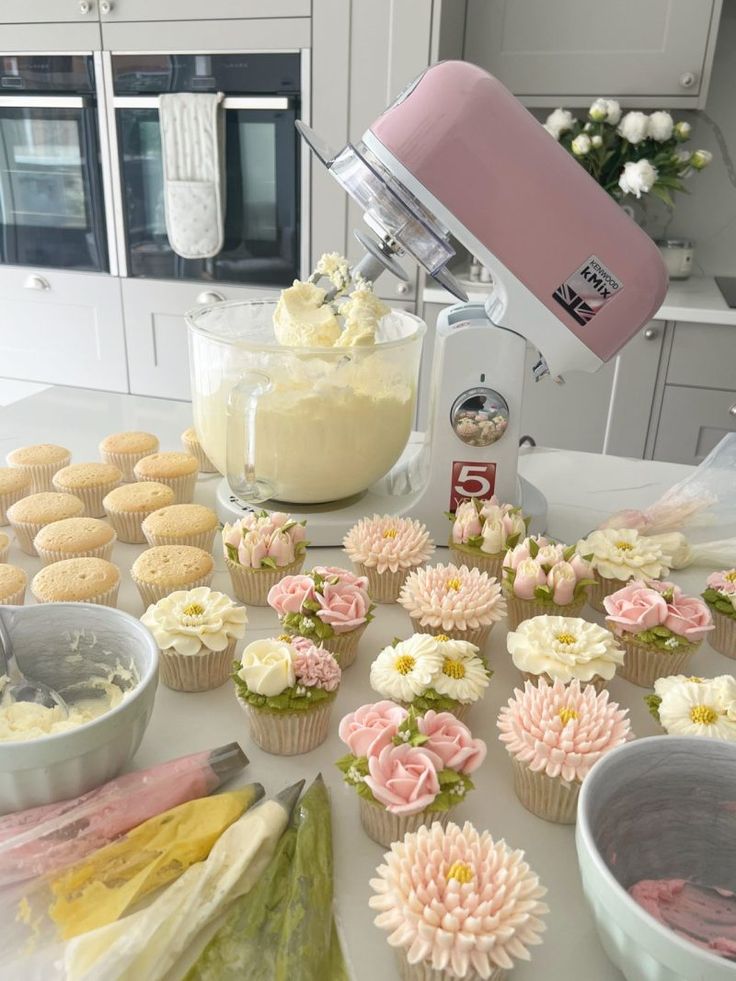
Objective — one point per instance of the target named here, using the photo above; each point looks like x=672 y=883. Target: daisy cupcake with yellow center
x=617 y=556
x=690 y=706
x=385 y=549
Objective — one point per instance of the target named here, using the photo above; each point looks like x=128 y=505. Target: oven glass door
x=262 y=193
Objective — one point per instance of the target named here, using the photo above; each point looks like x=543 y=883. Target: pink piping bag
x=46 y=839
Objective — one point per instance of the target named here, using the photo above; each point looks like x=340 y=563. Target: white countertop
x=697 y=300
x=580 y=488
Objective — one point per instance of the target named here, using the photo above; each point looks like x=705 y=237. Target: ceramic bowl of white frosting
x=654 y=812
x=103 y=661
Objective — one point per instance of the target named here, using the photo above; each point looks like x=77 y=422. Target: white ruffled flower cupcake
x=618 y=555
x=564 y=648
x=197 y=631
x=385 y=549
x=688 y=706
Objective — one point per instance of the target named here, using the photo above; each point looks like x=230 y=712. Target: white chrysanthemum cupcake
x=618 y=555
x=438 y=886
x=695 y=706
x=455 y=601
x=197 y=631
x=564 y=648
x=385 y=550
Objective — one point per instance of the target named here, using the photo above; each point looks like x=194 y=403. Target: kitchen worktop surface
x=581 y=488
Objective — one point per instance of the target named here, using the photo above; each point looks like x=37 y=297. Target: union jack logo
x=575 y=305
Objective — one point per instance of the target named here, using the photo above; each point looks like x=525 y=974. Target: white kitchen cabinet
x=211 y=35
x=156 y=331
x=47 y=11
x=567 y=52
x=115 y=10
x=63 y=328
x=692 y=421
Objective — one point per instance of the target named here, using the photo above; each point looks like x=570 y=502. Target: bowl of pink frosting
x=656 y=844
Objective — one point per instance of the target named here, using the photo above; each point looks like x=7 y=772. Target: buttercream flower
x=457 y=901
x=622 y=553
x=370 y=728
x=267 y=667
x=406 y=670
x=634 y=127
x=493 y=535
x=701 y=159
x=280 y=548
x=638 y=177
x=635 y=608
x=467 y=522
x=404 y=778
x=452 y=741
x=660 y=126
x=264 y=540
x=581 y=145
x=529 y=575
x=315 y=667
x=695 y=707
x=688 y=617
x=562 y=580
x=451 y=597
x=463 y=676
x=387 y=543
x=550 y=554
x=583 y=568
x=343 y=575
x=343 y=606
x=522 y=551
x=723 y=582
x=559 y=122
x=189 y=620
x=290 y=594
x=564 y=648
x=561 y=730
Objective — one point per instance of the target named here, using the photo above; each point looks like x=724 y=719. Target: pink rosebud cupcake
x=457 y=905
x=544 y=577
x=407 y=770
x=261 y=548
x=328 y=606
x=385 y=550
x=660 y=629
x=456 y=601
x=720 y=595
x=554 y=734
x=483 y=531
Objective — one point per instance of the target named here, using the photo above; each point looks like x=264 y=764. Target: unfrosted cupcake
x=182 y=524
x=565 y=649
x=385 y=550
x=29 y=515
x=197 y=631
x=128 y=506
x=703 y=707
x=541 y=576
x=554 y=734
x=192 y=446
x=618 y=555
x=457 y=601
x=720 y=595
x=260 y=549
x=177 y=470
x=407 y=769
x=659 y=627
x=431 y=672
x=13 y=582
x=90 y=482
x=124 y=450
x=77 y=581
x=287 y=686
x=74 y=538
x=15 y=483
x=40 y=462
x=4 y=547
x=457 y=905
x=483 y=531
x=165 y=568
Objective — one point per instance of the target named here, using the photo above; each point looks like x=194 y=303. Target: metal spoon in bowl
x=22 y=689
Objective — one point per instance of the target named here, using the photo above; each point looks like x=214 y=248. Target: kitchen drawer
x=200 y=9
x=692 y=421
x=703 y=355
x=272 y=34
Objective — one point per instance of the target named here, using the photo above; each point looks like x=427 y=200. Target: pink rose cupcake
x=329 y=606
x=438 y=886
x=554 y=734
x=544 y=577
x=455 y=601
x=483 y=531
x=407 y=770
x=261 y=548
x=720 y=595
x=659 y=627
x=385 y=550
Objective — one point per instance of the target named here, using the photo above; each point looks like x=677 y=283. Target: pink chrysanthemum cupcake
x=260 y=549
x=483 y=531
x=456 y=601
x=720 y=595
x=457 y=905
x=554 y=734
x=385 y=550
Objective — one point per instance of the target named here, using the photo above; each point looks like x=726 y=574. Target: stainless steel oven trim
x=229 y=102
x=43 y=101
x=106 y=162
x=305 y=175
x=114 y=164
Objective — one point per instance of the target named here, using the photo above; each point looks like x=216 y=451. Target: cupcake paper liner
x=251 y=586
x=383 y=587
x=520 y=609
x=14 y=599
x=50 y=555
x=91 y=497
x=723 y=638
x=425 y=972
x=478 y=636
x=205 y=464
x=597 y=681
x=602 y=588
x=153 y=592
x=126 y=461
x=42 y=474
x=197 y=672
x=127 y=525
x=183 y=486
x=25 y=532
x=203 y=539
x=108 y=598
x=492 y=564
x=344 y=646
x=547 y=797
x=4 y=549
x=384 y=827
x=643 y=663
x=289 y=733
x=9 y=498
x=460 y=710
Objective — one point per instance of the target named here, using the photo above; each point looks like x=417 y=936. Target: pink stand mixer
x=457 y=155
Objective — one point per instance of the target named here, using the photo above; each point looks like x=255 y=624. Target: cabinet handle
x=35 y=282
x=732 y=410
x=106 y=6
x=84 y=7
x=688 y=79
x=650 y=333
x=402 y=288
x=210 y=296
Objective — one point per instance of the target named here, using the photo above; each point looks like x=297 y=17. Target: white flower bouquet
x=631 y=154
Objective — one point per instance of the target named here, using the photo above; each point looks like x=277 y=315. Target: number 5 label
x=471 y=480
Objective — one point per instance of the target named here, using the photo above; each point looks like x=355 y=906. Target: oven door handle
x=265 y=102
x=43 y=102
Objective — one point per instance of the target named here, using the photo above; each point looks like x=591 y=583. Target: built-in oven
x=262 y=164
x=52 y=208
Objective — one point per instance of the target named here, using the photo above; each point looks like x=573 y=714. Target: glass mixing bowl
x=300 y=425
